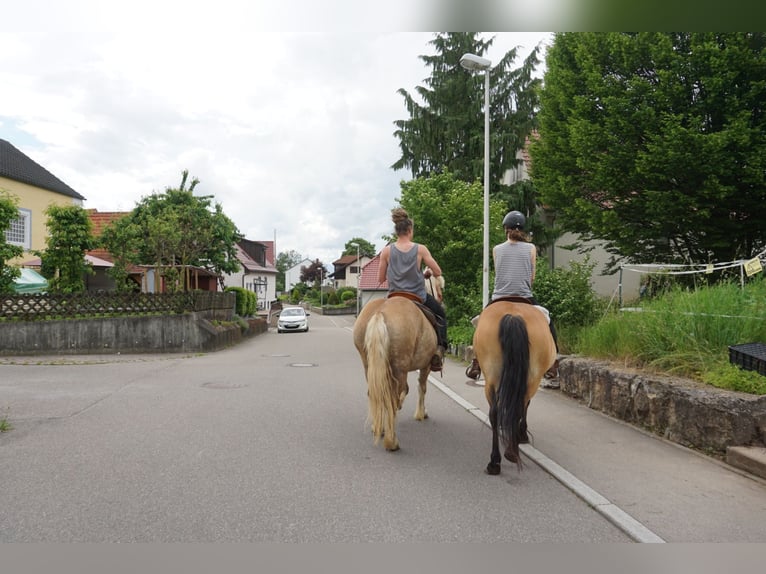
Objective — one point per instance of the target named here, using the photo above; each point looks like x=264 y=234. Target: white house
x=293 y=275
x=257 y=271
x=348 y=270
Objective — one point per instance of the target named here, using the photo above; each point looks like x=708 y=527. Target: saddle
x=517 y=299
x=511 y=299
x=419 y=303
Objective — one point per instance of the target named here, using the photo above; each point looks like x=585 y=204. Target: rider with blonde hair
x=401 y=263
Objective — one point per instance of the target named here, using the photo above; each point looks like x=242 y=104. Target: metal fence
x=37 y=307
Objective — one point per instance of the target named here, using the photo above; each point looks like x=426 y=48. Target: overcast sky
x=289 y=129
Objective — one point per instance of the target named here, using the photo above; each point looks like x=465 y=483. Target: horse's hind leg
x=420 y=412
x=523 y=433
x=494 y=459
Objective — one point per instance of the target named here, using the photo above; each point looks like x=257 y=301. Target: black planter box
x=749 y=356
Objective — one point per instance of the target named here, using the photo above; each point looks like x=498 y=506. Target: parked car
x=293 y=319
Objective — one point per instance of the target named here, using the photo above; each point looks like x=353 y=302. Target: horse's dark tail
x=511 y=396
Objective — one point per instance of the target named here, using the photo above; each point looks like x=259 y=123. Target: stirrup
x=473 y=371
x=553 y=372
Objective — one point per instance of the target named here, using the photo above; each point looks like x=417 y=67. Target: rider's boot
x=474 y=370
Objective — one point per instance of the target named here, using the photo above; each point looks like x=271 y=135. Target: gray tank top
x=403 y=273
x=513 y=270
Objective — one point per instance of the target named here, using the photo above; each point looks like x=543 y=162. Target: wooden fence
x=28 y=307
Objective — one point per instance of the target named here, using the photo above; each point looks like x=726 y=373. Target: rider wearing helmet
x=515 y=260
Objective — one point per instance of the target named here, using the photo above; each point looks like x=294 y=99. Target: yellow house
x=35 y=188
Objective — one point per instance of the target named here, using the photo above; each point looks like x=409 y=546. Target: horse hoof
x=392 y=448
x=493 y=469
x=511 y=456
x=524 y=439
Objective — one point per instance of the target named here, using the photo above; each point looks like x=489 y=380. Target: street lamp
x=320 y=287
x=473 y=62
x=357 y=276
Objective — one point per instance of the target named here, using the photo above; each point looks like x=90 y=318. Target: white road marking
x=599 y=503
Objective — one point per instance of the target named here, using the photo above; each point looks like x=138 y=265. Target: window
x=20 y=231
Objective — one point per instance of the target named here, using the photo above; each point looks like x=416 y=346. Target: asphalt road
x=267 y=441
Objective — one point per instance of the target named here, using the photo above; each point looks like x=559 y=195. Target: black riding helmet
x=514 y=220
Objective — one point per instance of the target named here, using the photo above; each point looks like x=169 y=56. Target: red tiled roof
x=368 y=280
x=100 y=220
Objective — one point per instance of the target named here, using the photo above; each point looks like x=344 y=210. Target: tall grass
x=686 y=332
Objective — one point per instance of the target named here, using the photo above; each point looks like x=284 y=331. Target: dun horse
x=514 y=346
x=393 y=337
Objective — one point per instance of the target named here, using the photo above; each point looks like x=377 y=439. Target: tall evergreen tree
x=656 y=143
x=445 y=128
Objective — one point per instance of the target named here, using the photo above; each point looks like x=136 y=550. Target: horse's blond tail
x=381 y=397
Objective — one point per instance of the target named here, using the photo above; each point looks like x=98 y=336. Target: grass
x=5 y=426
x=684 y=332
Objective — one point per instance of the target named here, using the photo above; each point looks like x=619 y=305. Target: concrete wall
x=190 y=332
x=603 y=285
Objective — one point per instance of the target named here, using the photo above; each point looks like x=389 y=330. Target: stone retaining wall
x=692 y=414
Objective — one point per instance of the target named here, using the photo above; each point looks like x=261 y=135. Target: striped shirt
x=513 y=270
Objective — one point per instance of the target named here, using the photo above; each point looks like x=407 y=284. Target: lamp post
x=320 y=287
x=473 y=62
x=357 y=276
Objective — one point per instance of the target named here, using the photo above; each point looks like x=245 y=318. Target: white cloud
x=291 y=131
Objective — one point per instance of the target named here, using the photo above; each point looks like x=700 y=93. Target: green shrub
x=346 y=296
x=460 y=333
x=728 y=376
x=567 y=293
x=247 y=301
x=332 y=299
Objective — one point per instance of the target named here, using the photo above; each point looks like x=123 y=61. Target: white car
x=293 y=319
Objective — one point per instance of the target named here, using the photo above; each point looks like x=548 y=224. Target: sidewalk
x=658 y=488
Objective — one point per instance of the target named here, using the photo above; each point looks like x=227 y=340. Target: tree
x=286 y=260
x=448 y=218
x=445 y=131
x=177 y=230
x=655 y=143
x=122 y=239
x=8 y=273
x=313 y=273
x=366 y=249
x=70 y=235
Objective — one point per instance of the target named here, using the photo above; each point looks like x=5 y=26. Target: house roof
x=250 y=265
x=19 y=167
x=302 y=263
x=345 y=260
x=94 y=261
x=100 y=219
x=368 y=280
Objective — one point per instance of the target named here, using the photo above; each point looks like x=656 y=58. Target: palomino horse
x=393 y=337
x=514 y=346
